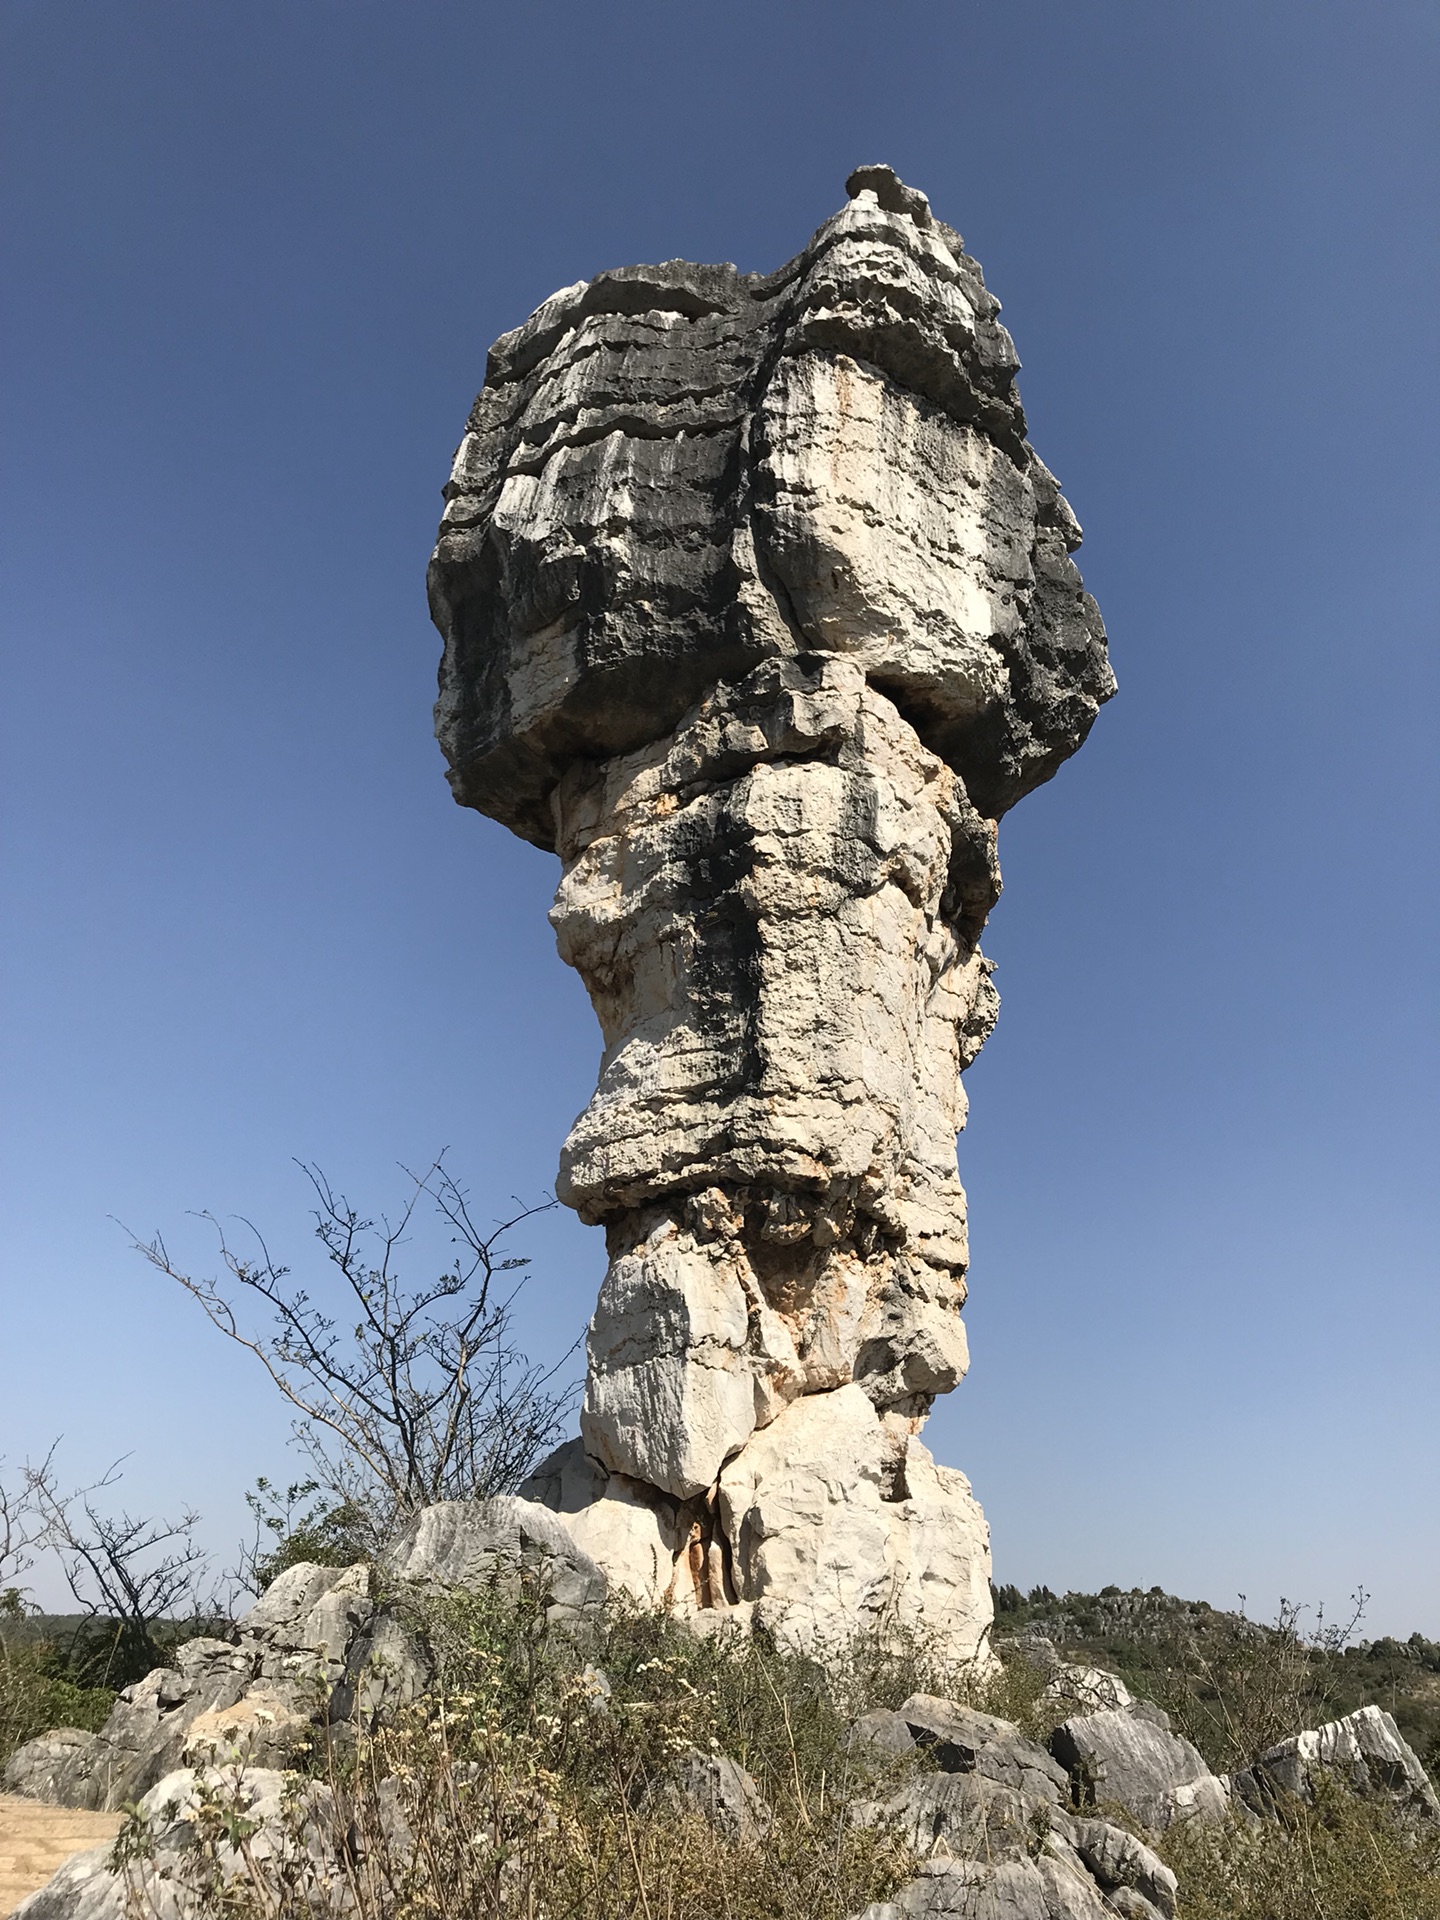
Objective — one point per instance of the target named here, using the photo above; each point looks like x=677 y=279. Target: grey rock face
x=759 y=610
x=1016 y=1889
x=989 y=1849
x=1365 y=1751
x=44 y=1768
x=962 y=1740
x=720 y=1789
x=467 y=1543
x=992 y=1828
x=1124 y=1755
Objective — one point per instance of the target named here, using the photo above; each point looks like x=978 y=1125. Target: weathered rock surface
x=961 y=1740
x=675 y=472
x=274 y=1680
x=759 y=611
x=722 y=1791
x=992 y=1829
x=471 y=1543
x=1130 y=1756
x=315 y=1649
x=1365 y=1752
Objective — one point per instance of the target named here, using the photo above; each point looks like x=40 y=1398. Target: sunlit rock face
x=759 y=611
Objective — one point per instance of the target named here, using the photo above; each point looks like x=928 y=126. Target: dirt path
x=35 y=1840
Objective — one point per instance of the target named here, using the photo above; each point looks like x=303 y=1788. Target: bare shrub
x=1236 y=1687
x=141 y=1582
x=405 y=1395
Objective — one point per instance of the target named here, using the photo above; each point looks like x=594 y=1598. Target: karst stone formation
x=759 y=611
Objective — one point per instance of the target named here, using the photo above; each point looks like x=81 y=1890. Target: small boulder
x=1078 y=1689
x=1021 y=1888
x=991 y=1847
x=720 y=1789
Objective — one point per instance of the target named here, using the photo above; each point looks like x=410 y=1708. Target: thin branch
x=418 y=1391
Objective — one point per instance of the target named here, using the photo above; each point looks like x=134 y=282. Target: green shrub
x=36 y=1694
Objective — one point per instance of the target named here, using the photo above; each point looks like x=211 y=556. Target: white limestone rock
x=772 y=1137
x=1366 y=1751
x=837 y=1520
x=632 y=1532
x=759 y=610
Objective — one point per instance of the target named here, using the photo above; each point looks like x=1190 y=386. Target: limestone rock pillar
x=759 y=611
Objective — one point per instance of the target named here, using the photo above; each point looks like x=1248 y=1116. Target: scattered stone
x=993 y=1832
x=288 y=1653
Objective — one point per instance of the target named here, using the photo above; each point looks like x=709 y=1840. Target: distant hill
x=1186 y=1654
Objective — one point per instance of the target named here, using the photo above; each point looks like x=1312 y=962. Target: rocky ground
x=592 y=1753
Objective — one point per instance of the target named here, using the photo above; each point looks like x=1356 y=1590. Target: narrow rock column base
x=833 y=1522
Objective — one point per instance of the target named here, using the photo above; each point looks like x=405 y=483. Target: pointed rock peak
x=891 y=191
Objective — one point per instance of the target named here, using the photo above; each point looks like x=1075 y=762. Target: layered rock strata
x=759 y=611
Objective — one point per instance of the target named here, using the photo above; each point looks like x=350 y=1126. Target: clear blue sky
x=255 y=253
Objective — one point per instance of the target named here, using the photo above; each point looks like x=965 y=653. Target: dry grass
x=525 y=1785
x=1343 y=1859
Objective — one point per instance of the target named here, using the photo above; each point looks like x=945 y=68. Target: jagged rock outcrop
x=759 y=611
x=1365 y=1752
x=1129 y=1755
x=272 y=1681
